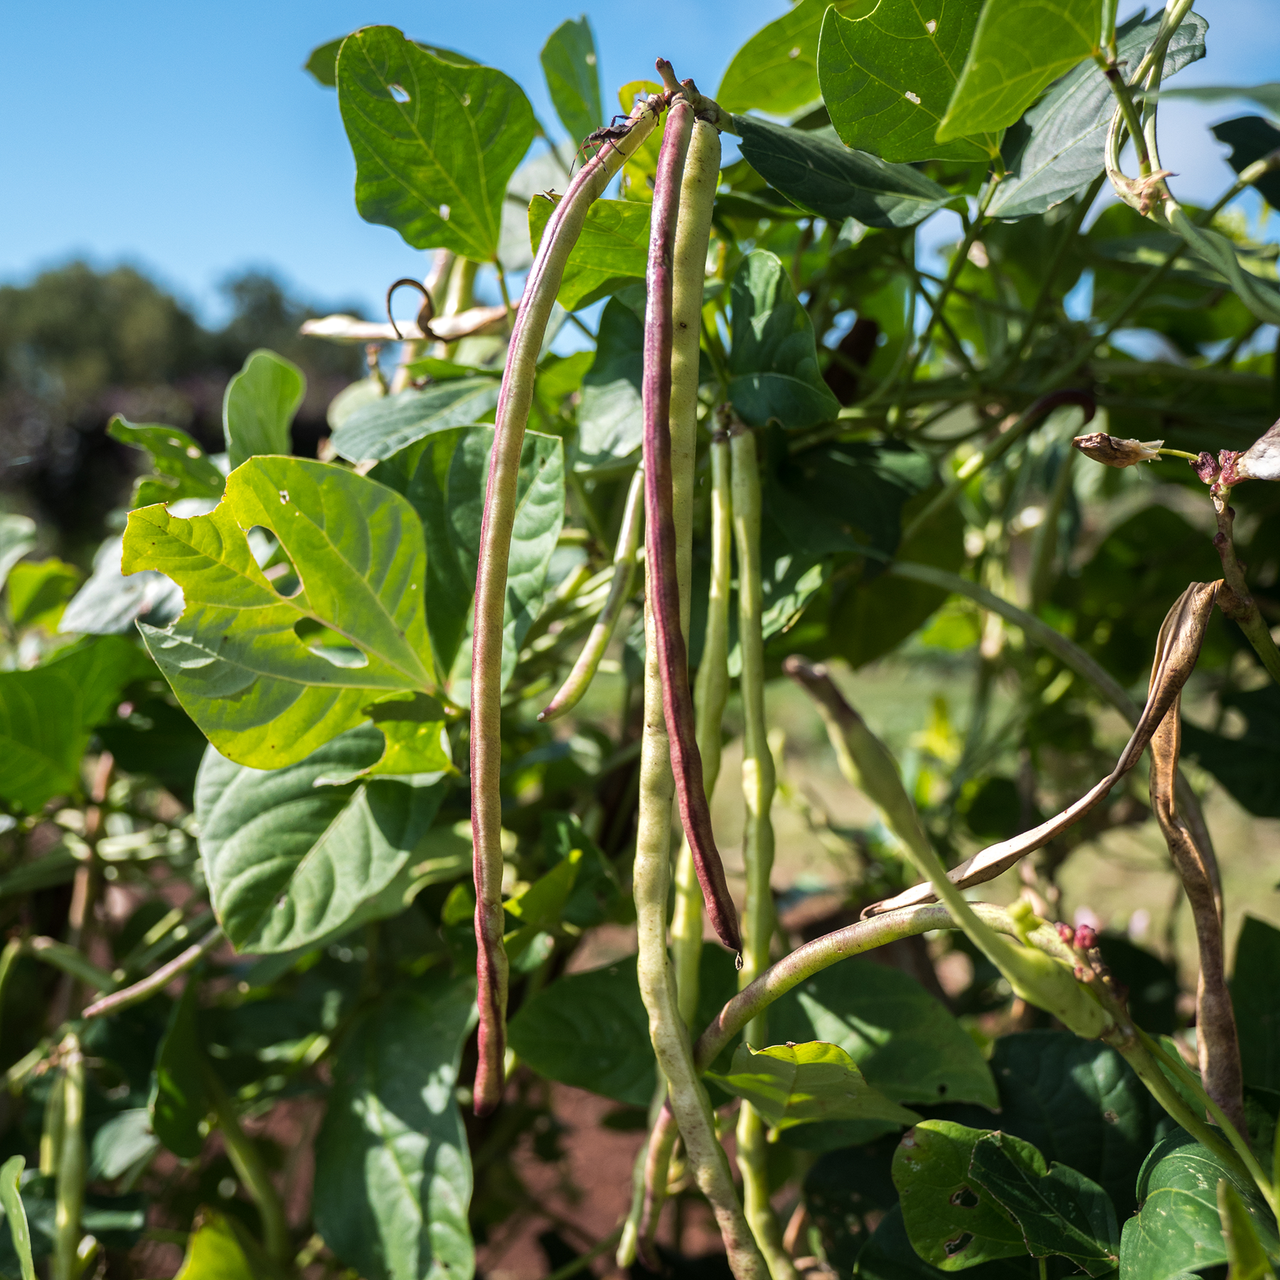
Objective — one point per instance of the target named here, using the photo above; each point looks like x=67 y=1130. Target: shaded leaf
x=183 y=469
x=1221 y=255
x=17 y=537
x=258 y=408
x=610 y=420
x=802 y=1083
x=1255 y=996
x=393 y=1171
x=1018 y=48
x=122 y=1144
x=289 y=859
x=1265 y=95
x=888 y=1255
x=819 y=175
x=569 y=64
x=952 y=1222
x=777 y=69
x=773 y=361
x=1177 y=1227
x=39 y=591
x=887 y=78
x=1065 y=149
x=434 y=142
x=269 y=677
x=612 y=251
x=1059 y=1210
x=46 y=715
x=109 y=603
x=156 y=738
x=1251 y=138
x=179 y=1099
x=1246 y=1258
x=1248 y=766
x=383 y=427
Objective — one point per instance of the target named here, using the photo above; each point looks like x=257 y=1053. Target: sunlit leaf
x=612 y=251
x=259 y=405
x=569 y=64
x=39 y=591
x=215 y=1251
x=385 y=426
x=17 y=537
x=183 y=469
x=11 y=1201
x=434 y=142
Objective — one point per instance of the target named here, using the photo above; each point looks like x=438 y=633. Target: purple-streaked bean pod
x=514 y=400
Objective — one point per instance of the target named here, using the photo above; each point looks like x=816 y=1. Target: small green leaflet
x=612 y=251
x=259 y=405
x=887 y=79
x=434 y=142
x=777 y=69
x=183 y=469
x=819 y=175
x=1019 y=47
x=803 y=1083
x=267 y=677
x=569 y=64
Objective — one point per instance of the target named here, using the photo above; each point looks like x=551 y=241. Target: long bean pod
x=652 y=871
x=662 y=568
x=758 y=782
x=584 y=669
x=514 y=400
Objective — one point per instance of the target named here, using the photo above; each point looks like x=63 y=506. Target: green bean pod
x=515 y=398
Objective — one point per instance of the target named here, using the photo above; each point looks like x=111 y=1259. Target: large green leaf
x=1247 y=766
x=384 y=427
x=1251 y=138
x=1066 y=141
x=818 y=174
x=1060 y=1211
x=183 y=469
x=1177 y=1228
x=179 y=1094
x=322 y=62
x=611 y=252
x=17 y=537
x=953 y=1223
x=792 y=1084
x=393 y=1171
x=259 y=405
x=1019 y=47
x=1080 y=1104
x=434 y=142
x=773 y=361
x=289 y=859
x=887 y=78
x=569 y=64
x=610 y=417
x=777 y=69
x=903 y=1041
x=46 y=715
x=248 y=664
x=1256 y=997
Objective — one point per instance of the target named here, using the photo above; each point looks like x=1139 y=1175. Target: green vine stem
x=584 y=669
x=758 y=782
x=251 y=1169
x=156 y=981
x=69 y=1188
x=515 y=398
x=711 y=689
x=662 y=537
x=652 y=870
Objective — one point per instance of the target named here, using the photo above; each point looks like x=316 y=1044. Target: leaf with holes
x=288 y=859
x=773 y=362
x=952 y=1222
x=434 y=142
x=259 y=405
x=1066 y=132
x=777 y=69
x=611 y=252
x=887 y=78
x=182 y=468
x=393 y=1171
x=268 y=677
x=1061 y=1212
x=383 y=427
x=792 y=1084
x=1018 y=48
x=569 y=64
x=818 y=174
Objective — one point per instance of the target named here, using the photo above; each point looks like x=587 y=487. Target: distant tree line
x=78 y=345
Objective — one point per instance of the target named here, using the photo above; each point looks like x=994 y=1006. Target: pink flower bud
x=1086 y=937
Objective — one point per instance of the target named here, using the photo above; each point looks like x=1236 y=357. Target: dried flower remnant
x=1261 y=460
x=1112 y=451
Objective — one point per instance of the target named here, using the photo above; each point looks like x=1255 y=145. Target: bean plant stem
x=514 y=401
x=157 y=981
x=652 y=869
x=69 y=1190
x=758 y=782
x=1240 y=605
x=584 y=669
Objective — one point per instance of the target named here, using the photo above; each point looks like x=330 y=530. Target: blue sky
x=185 y=138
